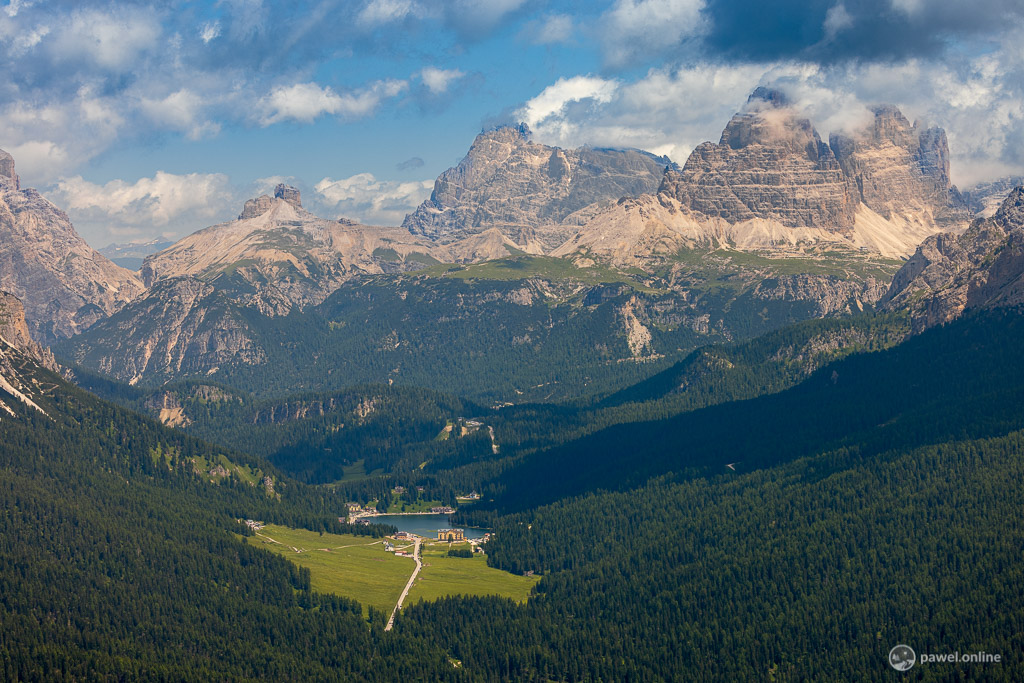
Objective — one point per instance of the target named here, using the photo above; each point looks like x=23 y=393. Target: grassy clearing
x=399 y=505
x=356 y=472
x=249 y=475
x=443 y=575
x=351 y=568
x=525 y=267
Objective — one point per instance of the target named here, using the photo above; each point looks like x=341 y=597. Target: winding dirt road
x=405 y=592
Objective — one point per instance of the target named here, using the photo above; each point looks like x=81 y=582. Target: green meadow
x=358 y=567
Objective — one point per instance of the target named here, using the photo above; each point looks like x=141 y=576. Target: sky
x=156 y=119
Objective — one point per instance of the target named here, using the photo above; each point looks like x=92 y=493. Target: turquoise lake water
x=425 y=525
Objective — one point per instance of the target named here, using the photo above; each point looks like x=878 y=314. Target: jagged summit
x=264 y=203
x=768 y=96
x=64 y=284
x=7 y=170
x=898 y=167
x=533 y=194
x=770 y=163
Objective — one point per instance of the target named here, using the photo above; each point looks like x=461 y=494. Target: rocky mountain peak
x=770 y=163
x=64 y=284
x=7 y=169
x=899 y=167
x=771 y=97
x=532 y=193
x=289 y=194
x=260 y=205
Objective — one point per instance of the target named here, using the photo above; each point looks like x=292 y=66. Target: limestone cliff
x=900 y=169
x=183 y=326
x=532 y=193
x=950 y=274
x=15 y=334
x=770 y=164
x=64 y=284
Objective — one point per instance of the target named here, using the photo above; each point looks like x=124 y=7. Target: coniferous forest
x=792 y=532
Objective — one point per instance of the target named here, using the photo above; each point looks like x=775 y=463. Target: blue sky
x=159 y=118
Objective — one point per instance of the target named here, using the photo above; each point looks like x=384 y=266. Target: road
x=405 y=591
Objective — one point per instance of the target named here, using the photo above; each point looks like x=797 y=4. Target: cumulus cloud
x=438 y=80
x=305 y=102
x=372 y=201
x=182 y=111
x=979 y=100
x=550 y=105
x=110 y=41
x=209 y=31
x=150 y=206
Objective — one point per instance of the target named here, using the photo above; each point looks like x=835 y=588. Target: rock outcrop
x=64 y=284
x=535 y=195
x=183 y=326
x=771 y=186
x=15 y=334
x=771 y=164
x=984 y=199
x=899 y=168
x=283 y=256
x=949 y=274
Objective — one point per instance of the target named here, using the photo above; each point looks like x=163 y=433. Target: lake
x=424 y=525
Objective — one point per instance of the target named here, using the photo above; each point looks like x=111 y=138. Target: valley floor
x=358 y=568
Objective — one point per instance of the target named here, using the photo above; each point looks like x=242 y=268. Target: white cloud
x=978 y=101
x=372 y=201
x=555 y=28
x=305 y=102
x=837 y=19
x=633 y=29
x=148 y=207
x=377 y=12
x=552 y=101
x=908 y=7
x=209 y=31
x=107 y=40
x=182 y=111
x=438 y=80
x=15 y=6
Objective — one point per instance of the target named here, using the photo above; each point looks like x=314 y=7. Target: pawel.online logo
x=902 y=657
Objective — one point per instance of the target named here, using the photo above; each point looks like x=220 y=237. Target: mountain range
x=757 y=417
x=767 y=226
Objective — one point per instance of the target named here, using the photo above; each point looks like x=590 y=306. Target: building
x=450 y=535
x=442 y=510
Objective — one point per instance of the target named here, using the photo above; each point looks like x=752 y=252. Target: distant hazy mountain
x=130 y=254
x=64 y=283
x=532 y=193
